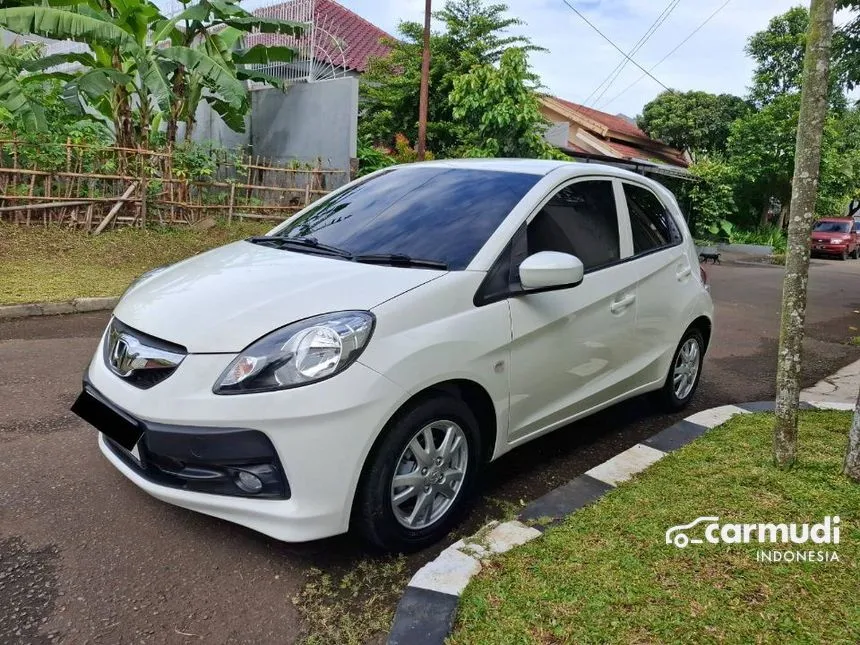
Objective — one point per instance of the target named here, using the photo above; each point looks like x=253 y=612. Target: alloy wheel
x=686 y=369
x=429 y=474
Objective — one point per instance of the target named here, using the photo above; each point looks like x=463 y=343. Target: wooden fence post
x=232 y=202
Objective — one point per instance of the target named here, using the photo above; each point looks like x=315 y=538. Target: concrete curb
x=76 y=306
x=426 y=612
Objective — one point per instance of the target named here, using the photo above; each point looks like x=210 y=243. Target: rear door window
x=652 y=224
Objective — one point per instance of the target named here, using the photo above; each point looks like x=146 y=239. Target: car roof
x=836 y=219
x=529 y=166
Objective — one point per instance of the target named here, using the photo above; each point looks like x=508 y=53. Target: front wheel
x=684 y=372
x=417 y=482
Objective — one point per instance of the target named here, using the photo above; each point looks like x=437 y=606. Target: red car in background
x=836 y=236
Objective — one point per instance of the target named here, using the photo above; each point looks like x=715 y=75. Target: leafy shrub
x=372 y=158
x=763 y=235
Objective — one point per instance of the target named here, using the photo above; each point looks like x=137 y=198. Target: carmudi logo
x=709 y=530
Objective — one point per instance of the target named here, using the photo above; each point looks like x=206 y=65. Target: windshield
x=421 y=212
x=833 y=227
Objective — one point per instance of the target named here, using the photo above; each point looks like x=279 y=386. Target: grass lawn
x=606 y=575
x=54 y=264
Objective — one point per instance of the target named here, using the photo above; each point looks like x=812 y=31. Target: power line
x=662 y=60
x=607 y=39
x=653 y=29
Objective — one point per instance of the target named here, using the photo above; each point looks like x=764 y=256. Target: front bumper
x=822 y=248
x=321 y=435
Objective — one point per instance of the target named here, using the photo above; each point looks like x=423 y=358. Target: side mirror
x=551 y=270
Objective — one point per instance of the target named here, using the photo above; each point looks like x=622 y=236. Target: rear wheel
x=684 y=372
x=417 y=482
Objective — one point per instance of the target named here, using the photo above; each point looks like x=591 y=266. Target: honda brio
x=357 y=366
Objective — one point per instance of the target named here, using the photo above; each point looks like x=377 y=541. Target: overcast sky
x=578 y=59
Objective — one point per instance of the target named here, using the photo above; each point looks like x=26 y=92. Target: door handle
x=684 y=273
x=622 y=303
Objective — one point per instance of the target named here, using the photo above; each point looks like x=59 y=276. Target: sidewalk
x=841 y=387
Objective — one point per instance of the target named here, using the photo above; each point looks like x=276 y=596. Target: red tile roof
x=615 y=123
x=360 y=39
x=618 y=131
x=666 y=155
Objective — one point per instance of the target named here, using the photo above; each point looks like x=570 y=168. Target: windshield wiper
x=398 y=260
x=300 y=243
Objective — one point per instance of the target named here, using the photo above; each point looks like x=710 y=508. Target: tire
x=667 y=397
x=844 y=255
x=375 y=514
x=856 y=254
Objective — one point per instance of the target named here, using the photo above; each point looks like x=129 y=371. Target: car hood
x=223 y=300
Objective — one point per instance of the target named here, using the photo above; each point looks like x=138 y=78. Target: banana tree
x=13 y=95
x=205 y=39
x=142 y=66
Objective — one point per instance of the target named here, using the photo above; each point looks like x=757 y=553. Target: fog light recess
x=248 y=482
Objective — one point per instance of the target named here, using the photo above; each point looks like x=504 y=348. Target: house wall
x=307 y=122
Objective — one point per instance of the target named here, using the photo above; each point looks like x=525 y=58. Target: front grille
x=138 y=358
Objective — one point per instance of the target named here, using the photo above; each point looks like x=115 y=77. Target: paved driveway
x=85 y=557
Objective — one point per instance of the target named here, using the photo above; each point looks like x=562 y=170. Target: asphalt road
x=85 y=557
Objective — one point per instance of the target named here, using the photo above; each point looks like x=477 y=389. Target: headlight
x=304 y=352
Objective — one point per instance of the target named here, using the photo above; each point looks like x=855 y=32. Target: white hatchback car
x=359 y=364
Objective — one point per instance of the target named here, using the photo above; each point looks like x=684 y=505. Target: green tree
x=16 y=104
x=761 y=146
x=712 y=196
x=475 y=33
x=497 y=112
x=696 y=121
x=778 y=52
x=142 y=65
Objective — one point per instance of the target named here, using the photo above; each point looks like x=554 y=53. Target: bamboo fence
x=92 y=188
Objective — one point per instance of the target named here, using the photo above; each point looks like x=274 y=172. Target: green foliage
x=712 y=196
x=372 y=158
x=497 y=112
x=193 y=162
x=696 y=121
x=761 y=146
x=143 y=68
x=762 y=235
x=778 y=52
x=475 y=33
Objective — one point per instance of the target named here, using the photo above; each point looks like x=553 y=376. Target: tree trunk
x=784 y=215
x=852 y=455
x=123 y=113
x=804 y=192
x=176 y=108
x=765 y=212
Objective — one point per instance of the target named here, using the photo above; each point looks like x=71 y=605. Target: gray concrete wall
x=310 y=121
x=307 y=122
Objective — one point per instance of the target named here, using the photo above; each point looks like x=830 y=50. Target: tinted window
x=653 y=226
x=581 y=219
x=833 y=227
x=427 y=213
x=857 y=226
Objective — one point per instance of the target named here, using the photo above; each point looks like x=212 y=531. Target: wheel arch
x=705 y=327
x=473 y=394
